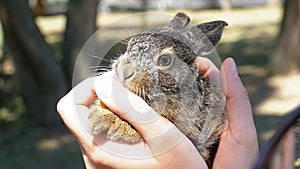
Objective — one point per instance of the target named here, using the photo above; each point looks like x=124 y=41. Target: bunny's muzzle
x=124 y=69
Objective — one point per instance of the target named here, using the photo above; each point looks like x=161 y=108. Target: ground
x=249 y=39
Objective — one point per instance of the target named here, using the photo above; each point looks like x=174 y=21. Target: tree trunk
x=286 y=56
x=81 y=24
x=42 y=79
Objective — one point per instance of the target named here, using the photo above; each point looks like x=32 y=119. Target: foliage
x=13 y=118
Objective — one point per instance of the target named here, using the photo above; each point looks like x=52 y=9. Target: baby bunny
x=158 y=65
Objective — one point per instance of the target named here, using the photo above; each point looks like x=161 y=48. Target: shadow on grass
x=252 y=54
x=254 y=46
x=266 y=126
x=41 y=148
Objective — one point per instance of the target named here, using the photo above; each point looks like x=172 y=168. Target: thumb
x=239 y=140
x=238 y=106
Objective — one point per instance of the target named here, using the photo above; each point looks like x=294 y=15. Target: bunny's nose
x=128 y=70
x=125 y=69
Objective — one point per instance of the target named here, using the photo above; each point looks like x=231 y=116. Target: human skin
x=238 y=146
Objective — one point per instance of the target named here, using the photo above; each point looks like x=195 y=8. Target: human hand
x=238 y=147
x=164 y=146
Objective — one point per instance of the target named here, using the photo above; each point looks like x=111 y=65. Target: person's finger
x=84 y=93
x=73 y=109
x=87 y=159
x=239 y=139
x=208 y=70
x=68 y=112
x=238 y=106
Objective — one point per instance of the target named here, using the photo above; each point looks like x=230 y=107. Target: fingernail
x=233 y=68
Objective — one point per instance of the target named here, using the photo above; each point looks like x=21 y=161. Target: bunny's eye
x=164 y=60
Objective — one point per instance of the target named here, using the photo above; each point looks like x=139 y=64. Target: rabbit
x=158 y=65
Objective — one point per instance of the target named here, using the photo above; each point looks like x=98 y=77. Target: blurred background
x=41 y=39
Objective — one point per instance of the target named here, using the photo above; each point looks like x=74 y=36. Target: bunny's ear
x=208 y=34
x=179 y=21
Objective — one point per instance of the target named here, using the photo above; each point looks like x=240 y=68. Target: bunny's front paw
x=116 y=129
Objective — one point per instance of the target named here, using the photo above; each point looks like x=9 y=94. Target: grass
x=249 y=38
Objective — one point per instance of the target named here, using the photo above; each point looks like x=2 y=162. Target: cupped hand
x=164 y=146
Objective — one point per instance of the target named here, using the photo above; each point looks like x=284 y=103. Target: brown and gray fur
x=158 y=65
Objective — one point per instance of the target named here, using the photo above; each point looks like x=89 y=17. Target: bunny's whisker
x=126 y=35
x=99 y=66
x=100 y=58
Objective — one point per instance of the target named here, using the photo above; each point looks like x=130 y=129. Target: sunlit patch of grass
x=51 y=24
x=284 y=98
x=297 y=162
